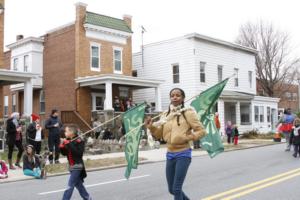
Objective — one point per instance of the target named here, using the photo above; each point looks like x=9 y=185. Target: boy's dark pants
x=53 y=141
x=296 y=149
x=76 y=181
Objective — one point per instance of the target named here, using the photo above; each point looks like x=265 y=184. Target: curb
x=140 y=163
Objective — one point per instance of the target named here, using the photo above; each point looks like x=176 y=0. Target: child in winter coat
x=228 y=131
x=31 y=164
x=3 y=170
x=296 y=137
x=235 y=134
x=73 y=148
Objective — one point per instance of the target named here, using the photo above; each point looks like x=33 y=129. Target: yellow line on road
x=261 y=187
x=251 y=185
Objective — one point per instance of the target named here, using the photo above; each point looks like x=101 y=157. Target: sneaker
x=287 y=150
x=295 y=155
x=43 y=174
x=12 y=167
x=18 y=165
x=51 y=162
x=57 y=162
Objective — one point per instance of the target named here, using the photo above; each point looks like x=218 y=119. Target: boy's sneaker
x=295 y=155
x=51 y=162
x=57 y=162
x=18 y=165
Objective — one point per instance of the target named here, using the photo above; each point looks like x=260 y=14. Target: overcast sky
x=163 y=19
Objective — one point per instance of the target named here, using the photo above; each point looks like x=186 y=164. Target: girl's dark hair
x=182 y=105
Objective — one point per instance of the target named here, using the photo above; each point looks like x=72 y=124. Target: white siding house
x=194 y=63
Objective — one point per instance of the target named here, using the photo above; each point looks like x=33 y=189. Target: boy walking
x=74 y=149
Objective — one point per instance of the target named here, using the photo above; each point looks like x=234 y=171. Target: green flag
x=203 y=105
x=133 y=120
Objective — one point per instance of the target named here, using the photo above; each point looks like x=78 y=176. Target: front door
x=98 y=101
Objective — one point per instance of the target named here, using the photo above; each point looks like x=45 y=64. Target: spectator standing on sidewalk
x=14 y=138
x=35 y=133
x=228 y=131
x=235 y=134
x=54 y=125
x=296 y=137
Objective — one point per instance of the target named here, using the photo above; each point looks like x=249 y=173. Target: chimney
x=19 y=37
x=80 y=11
x=127 y=19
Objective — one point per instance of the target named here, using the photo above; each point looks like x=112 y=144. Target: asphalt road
x=229 y=172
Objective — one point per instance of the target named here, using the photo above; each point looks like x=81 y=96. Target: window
x=15 y=67
x=245 y=113
x=98 y=101
x=42 y=101
x=95 y=57
x=175 y=73
x=288 y=96
x=250 y=78
x=261 y=114
x=117 y=60
x=26 y=57
x=294 y=97
x=202 y=72
x=256 y=113
x=220 y=73
x=268 y=114
x=236 y=78
x=14 y=103
x=6 y=106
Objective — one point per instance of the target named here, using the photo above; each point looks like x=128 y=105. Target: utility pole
x=143 y=31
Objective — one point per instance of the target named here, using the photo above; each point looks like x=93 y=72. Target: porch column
x=28 y=96
x=238 y=113
x=221 y=115
x=108 y=96
x=158 y=99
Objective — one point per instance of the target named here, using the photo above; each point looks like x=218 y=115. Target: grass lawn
x=89 y=164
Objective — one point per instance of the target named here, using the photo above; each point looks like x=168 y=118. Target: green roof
x=106 y=21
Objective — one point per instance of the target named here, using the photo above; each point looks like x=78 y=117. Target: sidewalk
x=154 y=155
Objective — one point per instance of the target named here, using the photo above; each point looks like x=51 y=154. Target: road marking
x=251 y=185
x=97 y=184
x=260 y=187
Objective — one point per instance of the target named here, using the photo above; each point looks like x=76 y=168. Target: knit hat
x=34 y=117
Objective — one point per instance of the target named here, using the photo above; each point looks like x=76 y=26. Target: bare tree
x=274 y=63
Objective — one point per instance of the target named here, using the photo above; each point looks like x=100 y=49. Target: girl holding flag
x=175 y=127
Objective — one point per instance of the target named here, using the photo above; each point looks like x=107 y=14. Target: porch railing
x=73 y=117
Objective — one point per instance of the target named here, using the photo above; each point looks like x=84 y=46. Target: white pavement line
x=97 y=184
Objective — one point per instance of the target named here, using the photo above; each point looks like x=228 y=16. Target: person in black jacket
x=54 y=125
x=14 y=137
x=35 y=133
x=32 y=164
x=73 y=148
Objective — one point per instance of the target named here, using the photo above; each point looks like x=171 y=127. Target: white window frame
x=220 y=69
x=14 y=103
x=236 y=77
x=5 y=105
x=94 y=95
x=250 y=78
x=121 y=51
x=177 y=74
x=24 y=63
x=42 y=93
x=93 y=44
x=204 y=66
x=15 y=64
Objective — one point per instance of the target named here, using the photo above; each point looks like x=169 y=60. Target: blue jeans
x=36 y=172
x=176 y=170
x=76 y=181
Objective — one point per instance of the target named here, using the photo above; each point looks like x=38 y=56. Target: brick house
x=288 y=99
x=79 y=68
